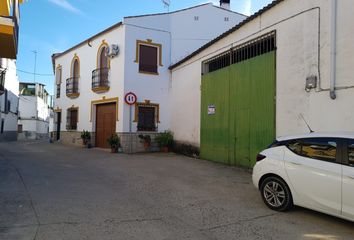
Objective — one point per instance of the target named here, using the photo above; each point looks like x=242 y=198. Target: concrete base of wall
x=71 y=138
x=136 y=145
x=28 y=135
x=8 y=136
x=131 y=143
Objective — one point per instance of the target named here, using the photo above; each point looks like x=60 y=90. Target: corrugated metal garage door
x=238 y=104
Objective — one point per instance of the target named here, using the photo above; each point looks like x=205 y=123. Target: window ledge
x=148 y=73
x=100 y=89
x=73 y=95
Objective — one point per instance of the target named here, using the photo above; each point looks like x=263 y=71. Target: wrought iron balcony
x=2 y=81
x=100 y=80
x=72 y=87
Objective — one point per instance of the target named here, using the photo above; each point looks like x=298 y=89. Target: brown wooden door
x=105 y=123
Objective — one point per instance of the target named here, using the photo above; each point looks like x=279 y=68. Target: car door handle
x=351 y=177
x=295 y=163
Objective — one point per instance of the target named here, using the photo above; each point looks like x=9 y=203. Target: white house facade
x=8 y=100
x=91 y=85
x=305 y=50
x=34 y=112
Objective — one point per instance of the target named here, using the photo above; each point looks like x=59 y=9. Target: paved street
x=50 y=192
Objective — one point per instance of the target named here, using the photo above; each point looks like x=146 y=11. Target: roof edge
x=56 y=55
x=225 y=34
x=166 y=13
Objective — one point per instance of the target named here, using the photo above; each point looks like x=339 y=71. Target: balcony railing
x=2 y=81
x=72 y=87
x=100 y=80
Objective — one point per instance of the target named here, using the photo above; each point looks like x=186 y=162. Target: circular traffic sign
x=130 y=98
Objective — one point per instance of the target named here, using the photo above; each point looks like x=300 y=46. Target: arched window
x=72 y=83
x=103 y=59
x=75 y=68
x=100 y=76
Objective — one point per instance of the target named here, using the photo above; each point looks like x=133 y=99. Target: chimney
x=225 y=4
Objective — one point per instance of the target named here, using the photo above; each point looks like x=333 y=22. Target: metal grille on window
x=71 y=119
x=146 y=119
x=243 y=52
x=2 y=81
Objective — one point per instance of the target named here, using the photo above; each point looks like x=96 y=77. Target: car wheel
x=276 y=194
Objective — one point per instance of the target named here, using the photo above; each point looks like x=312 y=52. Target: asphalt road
x=50 y=192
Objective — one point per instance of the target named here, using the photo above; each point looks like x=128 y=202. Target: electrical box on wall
x=311 y=82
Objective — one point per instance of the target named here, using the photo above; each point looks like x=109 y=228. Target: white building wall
x=296 y=24
x=193 y=28
x=146 y=86
x=179 y=29
x=88 y=63
x=34 y=117
x=12 y=86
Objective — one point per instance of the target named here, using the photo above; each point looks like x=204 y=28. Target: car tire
x=276 y=194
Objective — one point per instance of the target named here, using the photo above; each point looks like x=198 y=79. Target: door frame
x=96 y=112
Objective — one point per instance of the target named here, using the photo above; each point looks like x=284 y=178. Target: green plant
x=85 y=136
x=165 y=139
x=145 y=138
x=114 y=141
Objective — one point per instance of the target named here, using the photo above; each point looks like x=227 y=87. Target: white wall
x=12 y=85
x=147 y=87
x=34 y=114
x=88 y=63
x=125 y=76
x=188 y=34
x=297 y=57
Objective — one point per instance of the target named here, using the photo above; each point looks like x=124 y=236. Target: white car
x=315 y=171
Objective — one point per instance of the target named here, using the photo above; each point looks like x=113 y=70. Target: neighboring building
x=289 y=63
x=34 y=112
x=8 y=100
x=9 y=28
x=90 y=87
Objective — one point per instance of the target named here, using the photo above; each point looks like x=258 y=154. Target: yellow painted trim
x=148 y=42
x=57 y=110
x=5 y=7
x=100 y=89
x=73 y=95
x=147 y=103
x=103 y=44
x=5 y=29
x=59 y=67
x=72 y=65
x=103 y=101
x=149 y=73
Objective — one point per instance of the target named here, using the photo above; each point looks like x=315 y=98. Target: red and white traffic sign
x=130 y=98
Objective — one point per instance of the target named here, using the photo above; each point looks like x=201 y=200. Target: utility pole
x=167 y=4
x=35 y=65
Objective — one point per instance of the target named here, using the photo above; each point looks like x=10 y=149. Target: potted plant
x=114 y=143
x=146 y=140
x=86 y=137
x=165 y=140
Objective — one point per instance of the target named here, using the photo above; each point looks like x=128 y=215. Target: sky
x=52 y=26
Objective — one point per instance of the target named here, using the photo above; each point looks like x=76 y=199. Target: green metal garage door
x=238 y=109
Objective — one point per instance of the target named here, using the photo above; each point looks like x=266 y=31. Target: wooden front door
x=105 y=123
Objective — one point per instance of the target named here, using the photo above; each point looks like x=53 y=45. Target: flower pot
x=146 y=145
x=165 y=149
x=114 y=150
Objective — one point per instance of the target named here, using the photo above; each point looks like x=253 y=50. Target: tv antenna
x=167 y=4
x=308 y=126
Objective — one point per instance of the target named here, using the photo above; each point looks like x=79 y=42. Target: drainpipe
x=333 y=50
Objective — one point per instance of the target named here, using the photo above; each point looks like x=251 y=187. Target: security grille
x=243 y=52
